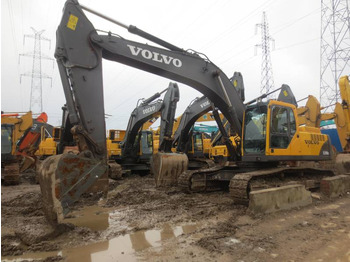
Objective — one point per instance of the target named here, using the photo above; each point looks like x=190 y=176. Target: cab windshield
x=255 y=129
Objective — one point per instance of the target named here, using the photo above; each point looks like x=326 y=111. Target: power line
x=289 y=24
x=297 y=44
x=235 y=27
x=280 y=29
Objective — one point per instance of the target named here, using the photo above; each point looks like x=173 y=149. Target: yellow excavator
x=269 y=131
x=23 y=141
x=13 y=127
x=311 y=116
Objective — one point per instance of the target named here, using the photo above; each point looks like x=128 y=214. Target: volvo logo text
x=149 y=110
x=135 y=51
x=206 y=103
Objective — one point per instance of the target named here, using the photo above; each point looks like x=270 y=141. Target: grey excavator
x=137 y=146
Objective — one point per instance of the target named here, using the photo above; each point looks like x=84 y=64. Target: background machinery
x=114 y=138
x=13 y=126
x=137 y=145
x=311 y=116
x=21 y=137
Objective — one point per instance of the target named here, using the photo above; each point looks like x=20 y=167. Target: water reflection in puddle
x=93 y=217
x=121 y=248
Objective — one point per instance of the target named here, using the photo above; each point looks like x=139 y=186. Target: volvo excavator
x=200 y=142
x=269 y=130
x=137 y=145
x=198 y=108
x=185 y=139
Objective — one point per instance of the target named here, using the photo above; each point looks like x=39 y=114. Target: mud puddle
x=123 y=248
x=93 y=217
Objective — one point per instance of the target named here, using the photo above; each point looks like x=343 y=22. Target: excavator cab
x=146 y=145
x=56 y=133
x=271 y=133
x=113 y=141
x=6 y=141
x=48 y=143
x=196 y=145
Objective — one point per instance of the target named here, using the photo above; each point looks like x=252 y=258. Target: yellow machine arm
x=310 y=115
x=343 y=113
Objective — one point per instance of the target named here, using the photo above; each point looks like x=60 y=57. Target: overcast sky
x=223 y=30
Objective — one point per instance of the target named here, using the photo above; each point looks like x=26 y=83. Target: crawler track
x=197 y=180
x=244 y=183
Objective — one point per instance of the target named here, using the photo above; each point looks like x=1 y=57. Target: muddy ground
x=140 y=222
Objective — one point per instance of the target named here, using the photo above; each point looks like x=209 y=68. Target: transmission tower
x=36 y=101
x=335 y=48
x=267 y=83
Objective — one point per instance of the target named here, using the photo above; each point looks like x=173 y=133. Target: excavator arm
x=167 y=118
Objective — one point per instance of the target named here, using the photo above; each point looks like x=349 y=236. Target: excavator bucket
x=64 y=178
x=167 y=167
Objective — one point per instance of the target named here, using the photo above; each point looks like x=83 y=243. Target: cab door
x=282 y=126
x=197 y=144
x=146 y=145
